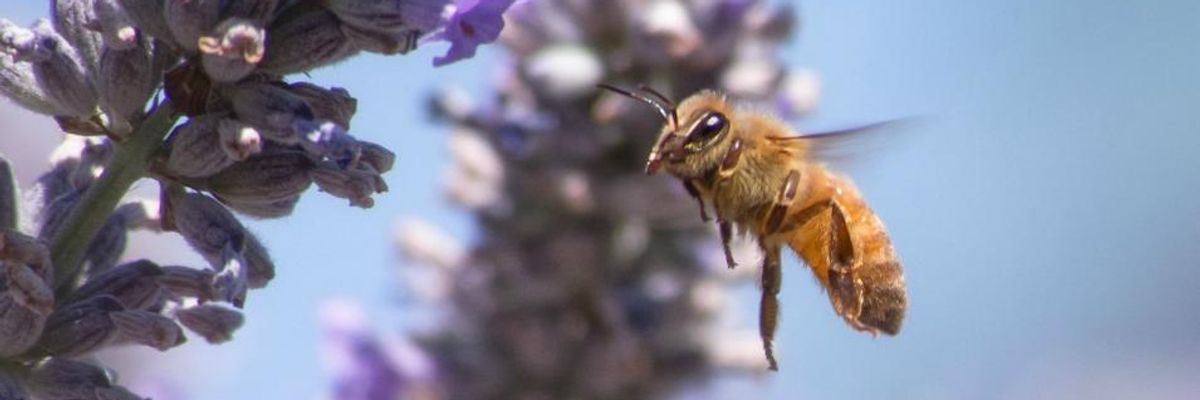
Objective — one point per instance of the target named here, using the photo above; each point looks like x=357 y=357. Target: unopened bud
x=189 y=282
x=20 y=326
x=27 y=288
x=196 y=148
x=215 y=323
x=234 y=50
x=264 y=178
x=108 y=245
x=239 y=140
x=59 y=70
x=73 y=19
x=355 y=185
x=269 y=210
x=304 y=38
x=268 y=106
x=8 y=197
x=230 y=282
x=188 y=19
x=79 y=328
x=18 y=84
x=206 y=225
x=59 y=378
x=259 y=267
x=115 y=26
x=134 y=284
x=334 y=104
x=328 y=140
x=378 y=157
x=126 y=81
x=19 y=248
x=148 y=328
x=149 y=17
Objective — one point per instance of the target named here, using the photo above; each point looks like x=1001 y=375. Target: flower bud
x=378 y=157
x=79 y=328
x=149 y=17
x=188 y=19
x=264 y=178
x=234 y=50
x=268 y=106
x=215 y=323
x=328 y=140
x=19 y=85
x=259 y=267
x=73 y=20
x=58 y=69
x=197 y=148
x=116 y=27
x=382 y=42
x=230 y=282
x=334 y=104
x=148 y=328
x=189 y=282
x=8 y=197
x=134 y=284
x=303 y=38
x=390 y=17
x=269 y=210
x=206 y=225
x=59 y=378
x=20 y=327
x=23 y=249
x=27 y=288
x=355 y=185
x=108 y=245
x=238 y=140
x=125 y=82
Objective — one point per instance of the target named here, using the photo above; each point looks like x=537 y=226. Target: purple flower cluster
x=199 y=96
x=590 y=279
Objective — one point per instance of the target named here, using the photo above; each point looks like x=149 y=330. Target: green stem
x=129 y=164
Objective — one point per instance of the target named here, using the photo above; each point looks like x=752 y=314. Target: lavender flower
x=193 y=94
x=472 y=23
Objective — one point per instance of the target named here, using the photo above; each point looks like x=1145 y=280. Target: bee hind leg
x=845 y=289
x=768 y=311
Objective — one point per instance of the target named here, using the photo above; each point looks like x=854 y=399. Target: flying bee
x=761 y=178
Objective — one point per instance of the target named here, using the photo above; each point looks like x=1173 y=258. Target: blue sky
x=1045 y=208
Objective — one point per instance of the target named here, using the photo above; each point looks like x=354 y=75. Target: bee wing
x=842 y=146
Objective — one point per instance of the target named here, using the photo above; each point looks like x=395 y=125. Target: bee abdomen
x=885 y=297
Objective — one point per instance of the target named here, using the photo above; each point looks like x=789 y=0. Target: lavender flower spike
x=474 y=22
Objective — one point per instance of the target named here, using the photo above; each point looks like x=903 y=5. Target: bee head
x=688 y=147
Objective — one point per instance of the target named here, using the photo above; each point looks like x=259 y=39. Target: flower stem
x=129 y=164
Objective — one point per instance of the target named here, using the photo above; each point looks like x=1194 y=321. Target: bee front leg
x=729 y=163
x=768 y=309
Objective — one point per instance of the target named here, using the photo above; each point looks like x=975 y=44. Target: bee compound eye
x=710 y=125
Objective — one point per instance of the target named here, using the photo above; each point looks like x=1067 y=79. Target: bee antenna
x=664 y=99
x=657 y=106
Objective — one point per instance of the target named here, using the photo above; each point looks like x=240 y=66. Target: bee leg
x=845 y=289
x=691 y=189
x=782 y=202
x=768 y=311
x=728 y=164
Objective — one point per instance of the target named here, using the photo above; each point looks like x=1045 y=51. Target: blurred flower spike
x=205 y=98
x=470 y=24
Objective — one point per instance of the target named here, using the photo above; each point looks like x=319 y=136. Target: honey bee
x=764 y=180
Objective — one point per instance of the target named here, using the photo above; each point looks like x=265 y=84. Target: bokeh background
x=1045 y=208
